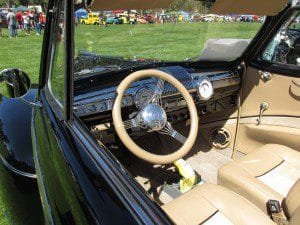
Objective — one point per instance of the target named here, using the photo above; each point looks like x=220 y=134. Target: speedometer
x=205 y=89
x=142 y=97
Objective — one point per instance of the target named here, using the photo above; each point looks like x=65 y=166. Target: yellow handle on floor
x=189 y=177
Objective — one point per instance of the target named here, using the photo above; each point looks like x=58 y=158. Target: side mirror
x=14 y=83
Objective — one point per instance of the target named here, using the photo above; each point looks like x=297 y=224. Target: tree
x=11 y=3
x=5 y=3
x=201 y=6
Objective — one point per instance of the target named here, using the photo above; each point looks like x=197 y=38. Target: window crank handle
x=263 y=107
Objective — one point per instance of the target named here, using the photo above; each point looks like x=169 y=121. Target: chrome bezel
x=209 y=83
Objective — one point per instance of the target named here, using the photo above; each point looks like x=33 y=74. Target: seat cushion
x=267 y=173
x=291 y=203
x=212 y=204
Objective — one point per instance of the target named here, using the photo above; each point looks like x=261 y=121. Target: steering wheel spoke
x=131 y=123
x=169 y=130
x=158 y=91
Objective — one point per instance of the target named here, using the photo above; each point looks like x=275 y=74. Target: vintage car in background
x=147 y=132
x=114 y=20
x=91 y=19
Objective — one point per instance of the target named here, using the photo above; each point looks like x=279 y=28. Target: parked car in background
x=91 y=19
x=124 y=18
x=114 y=20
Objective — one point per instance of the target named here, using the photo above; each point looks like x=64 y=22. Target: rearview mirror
x=14 y=83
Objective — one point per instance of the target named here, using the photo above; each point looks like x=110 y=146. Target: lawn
x=167 y=42
x=18 y=206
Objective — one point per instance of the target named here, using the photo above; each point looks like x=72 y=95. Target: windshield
x=184 y=31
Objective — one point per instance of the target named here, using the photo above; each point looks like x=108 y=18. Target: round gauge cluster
x=205 y=89
x=142 y=97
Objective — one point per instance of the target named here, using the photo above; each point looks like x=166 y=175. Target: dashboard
x=211 y=91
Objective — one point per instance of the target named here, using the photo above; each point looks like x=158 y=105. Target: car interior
x=210 y=146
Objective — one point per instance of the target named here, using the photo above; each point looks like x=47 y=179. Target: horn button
x=153 y=117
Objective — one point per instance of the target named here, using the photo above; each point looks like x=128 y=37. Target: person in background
x=19 y=18
x=12 y=23
x=37 y=22
x=43 y=19
x=31 y=20
x=26 y=23
x=1 y=34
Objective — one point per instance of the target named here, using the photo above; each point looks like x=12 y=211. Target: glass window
x=285 y=46
x=57 y=70
x=113 y=40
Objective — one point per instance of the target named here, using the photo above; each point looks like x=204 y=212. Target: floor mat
x=207 y=164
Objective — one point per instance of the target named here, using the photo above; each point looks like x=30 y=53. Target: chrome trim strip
x=16 y=171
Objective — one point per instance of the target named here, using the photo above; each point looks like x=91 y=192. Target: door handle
x=265 y=76
x=262 y=108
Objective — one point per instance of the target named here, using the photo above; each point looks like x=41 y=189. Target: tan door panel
x=276 y=92
x=252 y=137
x=295 y=89
x=280 y=122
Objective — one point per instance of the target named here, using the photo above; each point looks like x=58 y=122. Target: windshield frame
x=78 y=86
x=273 y=67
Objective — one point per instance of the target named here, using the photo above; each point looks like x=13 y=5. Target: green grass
x=166 y=42
x=23 y=52
x=18 y=206
x=169 y=42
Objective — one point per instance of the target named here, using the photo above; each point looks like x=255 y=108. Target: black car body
x=80 y=182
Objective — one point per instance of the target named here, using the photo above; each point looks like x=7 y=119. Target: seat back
x=291 y=204
x=295 y=218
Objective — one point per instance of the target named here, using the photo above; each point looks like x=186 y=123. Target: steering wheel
x=154 y=118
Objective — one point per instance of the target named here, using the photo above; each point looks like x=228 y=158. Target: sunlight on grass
x=169 y=42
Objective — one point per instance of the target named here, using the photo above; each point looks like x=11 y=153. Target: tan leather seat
x=268 y=173
x=291 y=204
x=212 y=205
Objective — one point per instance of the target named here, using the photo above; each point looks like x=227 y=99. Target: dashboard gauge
x=205 y=89
x=142 y=97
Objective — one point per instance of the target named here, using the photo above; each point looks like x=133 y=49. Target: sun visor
x=101 y=5
x=251 y=7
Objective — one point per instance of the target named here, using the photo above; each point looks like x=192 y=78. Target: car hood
x=257 y=7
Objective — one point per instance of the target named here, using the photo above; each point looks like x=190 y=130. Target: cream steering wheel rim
x=126 y=139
